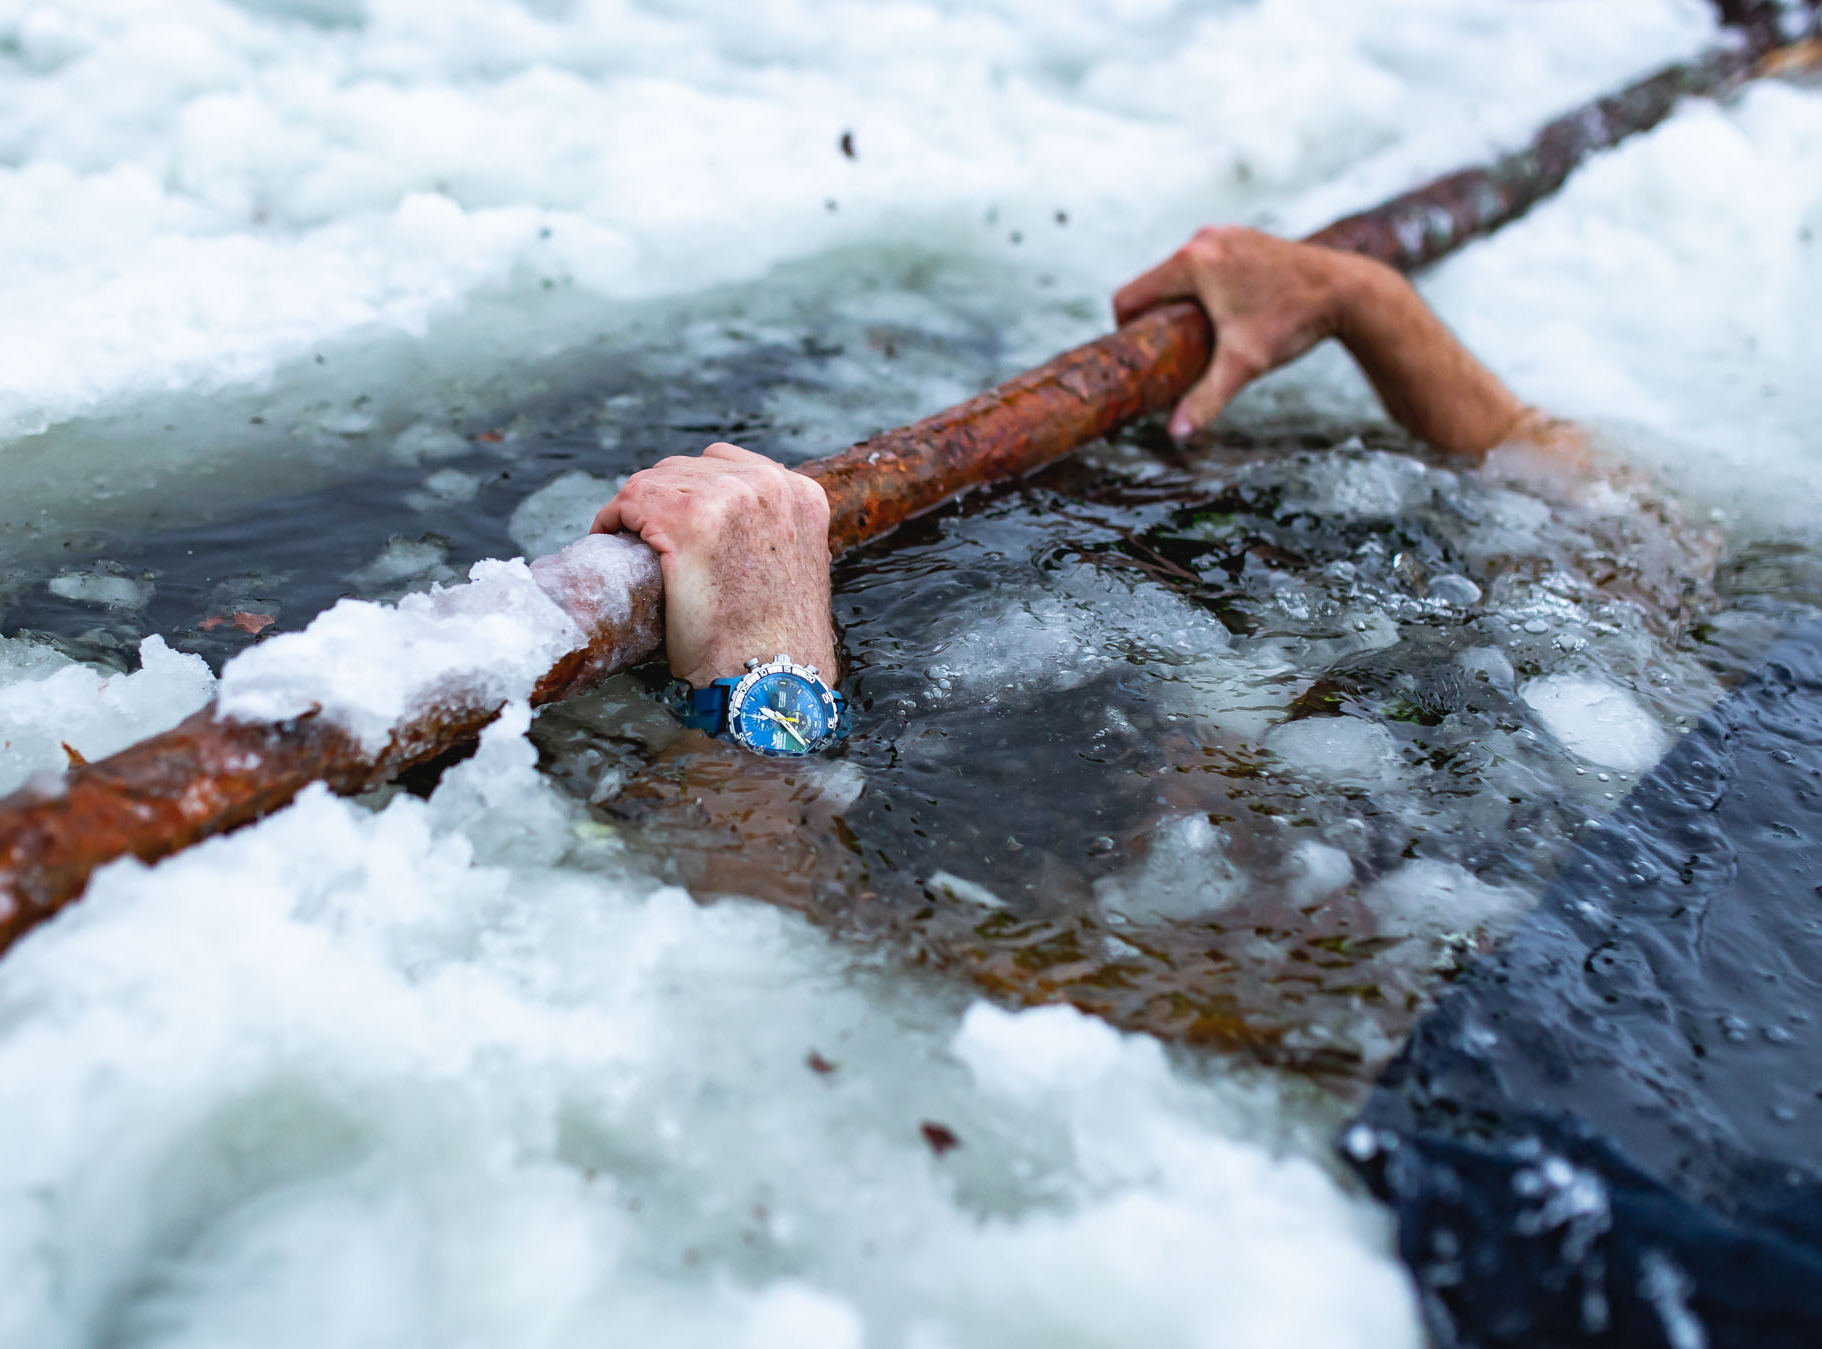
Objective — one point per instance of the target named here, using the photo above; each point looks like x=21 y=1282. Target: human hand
x=1270 y=300
x=744 y=544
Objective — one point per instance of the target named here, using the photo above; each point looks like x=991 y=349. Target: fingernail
x=1181 y=428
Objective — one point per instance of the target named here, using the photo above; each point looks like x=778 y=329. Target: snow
x=205 y=197
x=382 y=1078
x=47 y=701
x=1705 y=372
x=370 y=667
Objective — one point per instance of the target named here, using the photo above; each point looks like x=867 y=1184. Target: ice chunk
x=52 y=702
x=426 y=441
x=105 y=589
x=1454 y=589
x=1186 y=873
x=1488 y=663
x=368 y=666
x=560 y=512
x=1597 y=720
x=1432 y=898
x=1042 y=1052
x=497 y=801
x=1317 y=870
x=445 y=487
x=1359 y=486
x=948 y=885
x=404 y=562
x=793 y=1315
x=1348 y=751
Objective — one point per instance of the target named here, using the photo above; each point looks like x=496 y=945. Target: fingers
x=1172 y=279
x=1231 y=371
x=656 y=502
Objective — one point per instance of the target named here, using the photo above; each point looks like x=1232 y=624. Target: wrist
x=1365 y=290
x=728 y=659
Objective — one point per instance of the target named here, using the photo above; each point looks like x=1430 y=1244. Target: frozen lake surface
x=331 y=298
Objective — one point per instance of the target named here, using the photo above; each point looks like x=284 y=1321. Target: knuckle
x=1209 y=242
x=738 y=489
x=1249 y=359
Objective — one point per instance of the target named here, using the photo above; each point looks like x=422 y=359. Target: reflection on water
x=1245 y=747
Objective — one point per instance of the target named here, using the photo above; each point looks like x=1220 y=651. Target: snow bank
x=200 y=194
x=359 y=1078
x=1670 y=292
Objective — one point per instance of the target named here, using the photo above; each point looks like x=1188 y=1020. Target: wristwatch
x=779 y=707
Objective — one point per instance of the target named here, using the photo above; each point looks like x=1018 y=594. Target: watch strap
x=704 y=709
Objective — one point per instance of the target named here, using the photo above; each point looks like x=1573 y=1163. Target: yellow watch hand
x=772 y=714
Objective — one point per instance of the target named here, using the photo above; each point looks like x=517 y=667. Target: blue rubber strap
x=706 y=709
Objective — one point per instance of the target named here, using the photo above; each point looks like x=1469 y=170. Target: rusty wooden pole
x=211 y=774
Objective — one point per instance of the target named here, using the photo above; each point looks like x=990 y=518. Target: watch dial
x=783 y=714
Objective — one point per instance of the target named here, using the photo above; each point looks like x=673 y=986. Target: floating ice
x=1598 y=720
x=1348 y=751
x=47 y=702
x=1317 y=871
x=101 y=588
x=445 y=487
x=1360 y=487
x=1489 y=663
x=1186 y=874
x=1431 y=898
x=560 y=512
x=948 y=885
x=406 y=564
x=426 y=442
x=1453 y=589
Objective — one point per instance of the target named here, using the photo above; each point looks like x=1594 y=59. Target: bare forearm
x=1271 y=300
x=1429 y=382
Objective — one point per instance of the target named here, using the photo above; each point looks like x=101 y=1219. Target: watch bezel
x=781 y=664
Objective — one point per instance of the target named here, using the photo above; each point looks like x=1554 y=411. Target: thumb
x=1226 y=375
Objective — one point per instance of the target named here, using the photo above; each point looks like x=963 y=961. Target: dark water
x=1611 y=1132
x=1064 y=783
x=1230 y=745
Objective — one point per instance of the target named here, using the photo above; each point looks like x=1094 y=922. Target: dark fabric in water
x=1610 y=1131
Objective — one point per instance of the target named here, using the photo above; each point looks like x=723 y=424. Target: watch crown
x=782 y=658
x=813 y=670
x=753 y=664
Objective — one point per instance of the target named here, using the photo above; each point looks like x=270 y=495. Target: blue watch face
x=782 y=714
